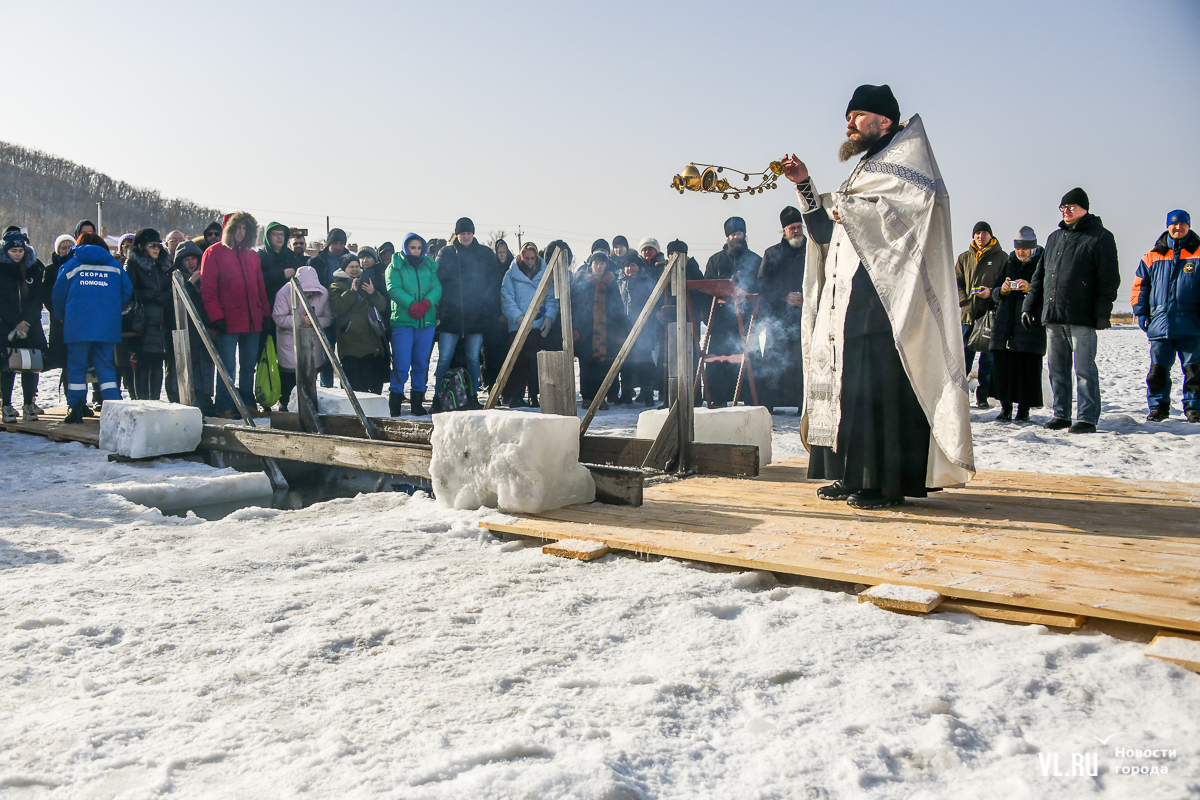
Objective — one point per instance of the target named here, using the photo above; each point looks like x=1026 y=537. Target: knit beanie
x=600 y=244
x=649 y=242
x=1179 y=215
x=66 y=237
x=14 y=239
x=876 y=100
x=734 y=224
x=790 y=216
x=347 y=259
x=677 y=246
x=464 y=225
x=620 y=241
x=144 y=237
x=1076 y=197
x=1026 y=239
x=981 y=226
x=336 y=235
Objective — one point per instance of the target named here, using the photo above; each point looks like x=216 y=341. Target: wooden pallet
x=1082 y=547
x=50 y=425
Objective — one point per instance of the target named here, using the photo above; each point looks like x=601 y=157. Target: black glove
x=1103 y=323
x=1027 y=320
x=218 y=325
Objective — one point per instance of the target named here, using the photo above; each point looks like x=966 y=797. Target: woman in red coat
x=235 y=299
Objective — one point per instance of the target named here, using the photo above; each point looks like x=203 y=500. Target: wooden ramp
x=51 y=426
x=1096 y=547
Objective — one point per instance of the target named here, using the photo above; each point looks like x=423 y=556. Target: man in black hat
x=1075 y=286
x=779 y=373
x=737 y=262
x=977 y=270
x=887 y=414
x=470 y=276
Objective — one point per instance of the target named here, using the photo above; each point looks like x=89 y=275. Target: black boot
x=395 y=403
x=417 y=403
x=75 y=416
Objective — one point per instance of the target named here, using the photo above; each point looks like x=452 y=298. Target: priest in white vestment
x=887 y=414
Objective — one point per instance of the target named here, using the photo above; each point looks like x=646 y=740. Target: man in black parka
x=470 y=276
x=1075 y=285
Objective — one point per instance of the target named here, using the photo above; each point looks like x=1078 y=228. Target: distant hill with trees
x=47 y=195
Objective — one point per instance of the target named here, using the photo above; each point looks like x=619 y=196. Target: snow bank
x=736 y=425
x=189 y=491
x=513 y=460
x=143 y=428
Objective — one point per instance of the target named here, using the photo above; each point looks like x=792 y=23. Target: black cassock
x=883 y=435
x=779 y=371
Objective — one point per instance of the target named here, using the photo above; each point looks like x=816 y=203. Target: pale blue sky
x=569 y=119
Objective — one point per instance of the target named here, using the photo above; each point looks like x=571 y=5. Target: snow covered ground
x=386 y=647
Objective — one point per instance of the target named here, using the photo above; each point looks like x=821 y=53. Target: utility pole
x=99 y=216
x=519 y=233
x=327 y=230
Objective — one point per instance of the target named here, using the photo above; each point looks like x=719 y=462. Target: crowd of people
x=112 y=314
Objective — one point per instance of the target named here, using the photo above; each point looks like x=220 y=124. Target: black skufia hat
x=877 y=100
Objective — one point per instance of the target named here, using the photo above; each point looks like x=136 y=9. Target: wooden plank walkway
x=1096 y=547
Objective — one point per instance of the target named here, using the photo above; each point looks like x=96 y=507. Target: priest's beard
x=857 y=144
x=795 y=243
x=736 y=248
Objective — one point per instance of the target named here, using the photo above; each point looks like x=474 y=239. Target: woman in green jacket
x=359 y=307
x=414 y=288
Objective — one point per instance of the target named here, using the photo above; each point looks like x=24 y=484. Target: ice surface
x=370 y=647
x=176 y=493
x=512 y=460
x=334 y=401
x=142 y=428
x=736 y=425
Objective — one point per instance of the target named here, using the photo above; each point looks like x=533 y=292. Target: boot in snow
x=417 y=403
x=395 y=403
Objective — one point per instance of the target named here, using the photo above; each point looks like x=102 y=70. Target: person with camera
x=359 y=306
x=1016 y=351
x=1074 y=286
x=1166 y=300
x=976 y=271
x=21 y=279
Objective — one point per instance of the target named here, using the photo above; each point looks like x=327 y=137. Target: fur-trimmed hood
x=240 y=218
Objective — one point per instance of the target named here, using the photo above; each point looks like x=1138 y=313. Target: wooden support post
x=278 y=482
x=181 y=341
x=306 y=378
x=523 y=329
x=562 y=293
x=684 y=391
x=630 y=340
x=556 y=383
x=298 y=295
x=666 y=443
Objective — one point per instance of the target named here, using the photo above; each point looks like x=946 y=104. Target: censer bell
x=692 y=179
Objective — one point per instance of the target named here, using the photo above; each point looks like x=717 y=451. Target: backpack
x=454 y=390
x=267 y=388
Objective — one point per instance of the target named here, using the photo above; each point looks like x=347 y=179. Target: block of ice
x=144 y=428
x=735 y=425
x=334 y=401
x=512 y=460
